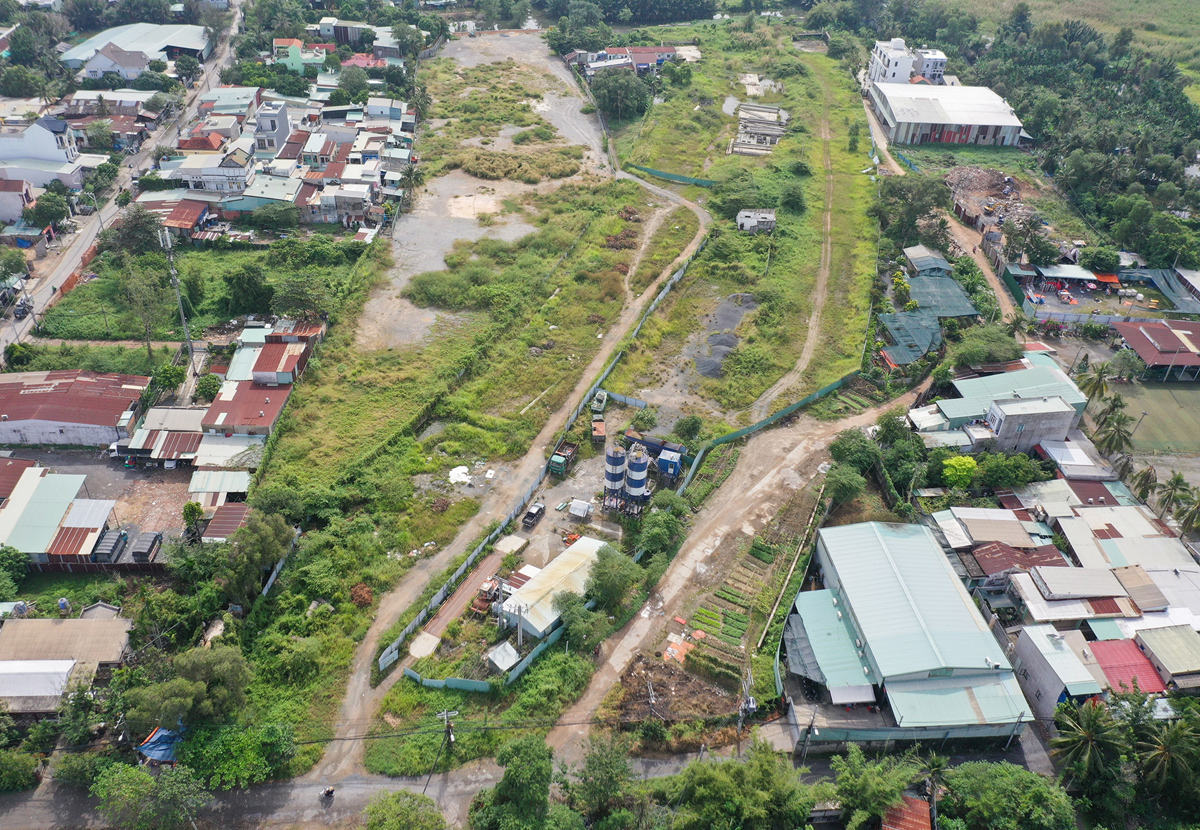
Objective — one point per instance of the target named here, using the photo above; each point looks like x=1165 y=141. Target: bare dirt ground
x=559 y=106
x=447 y=209
x=149 y=499
x=678 y=695
x=773 y=465
x=762 y=407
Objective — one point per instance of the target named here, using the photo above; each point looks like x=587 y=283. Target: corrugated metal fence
x=519 y=669
x=461 y=684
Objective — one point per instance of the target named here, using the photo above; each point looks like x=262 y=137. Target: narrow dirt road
x=762 y=407
x=774 y=464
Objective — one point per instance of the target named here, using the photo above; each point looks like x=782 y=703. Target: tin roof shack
x=280 y=364
x=39 y=657
x=245 y=408
x=68 y=407
x=1174 y=652
x=213 y=488
x=226 y=521
x=34 y=687
x=1049 y=670
x=924 y=262
x=895 y=615
x=43 y=518
x=532 y=605
x=1170 y=349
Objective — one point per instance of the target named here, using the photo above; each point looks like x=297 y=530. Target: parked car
x=22 y=309
x=533 y=515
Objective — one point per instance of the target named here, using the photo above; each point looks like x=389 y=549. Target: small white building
x=532 y=605
x=756 y=221
x=227 y=172
x=111 y=58
x=15 y=196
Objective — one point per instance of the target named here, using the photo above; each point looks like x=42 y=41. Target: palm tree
x=1123 y=465
x=1088 y=742
x=935 y=774
x=1016 y=324
x=1116 y=436
x=1170 y=492
x=1094 y=382
x=1169 y=754
x=1112 y=405
x=1188 y=513
x=411 y=177
x=1144 y=483
x=421 y=101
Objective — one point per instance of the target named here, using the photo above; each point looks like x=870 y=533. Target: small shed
x=756 y=221
x=579 y=510
x=503 y=657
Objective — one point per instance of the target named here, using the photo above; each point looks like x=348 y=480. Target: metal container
x=614 y=470
x=636 y=473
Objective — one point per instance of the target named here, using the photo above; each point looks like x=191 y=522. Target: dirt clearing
x=678 y=695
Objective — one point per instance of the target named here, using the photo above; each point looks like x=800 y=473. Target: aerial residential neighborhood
x=643 y=416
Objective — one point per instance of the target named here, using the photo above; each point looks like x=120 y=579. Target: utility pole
x=164 y=238
x=447 y=738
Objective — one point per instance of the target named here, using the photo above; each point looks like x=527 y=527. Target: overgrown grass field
x=780 y=270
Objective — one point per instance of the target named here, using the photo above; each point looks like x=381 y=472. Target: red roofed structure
x=911 y=814
x=1123 y=662
x=1172 y=346
x=204 y=143
x=245 y=408
x=997 y=557
x=280 y=363
x=228 y=519
x=186 y=216
x=10 y=474
x=67 y=407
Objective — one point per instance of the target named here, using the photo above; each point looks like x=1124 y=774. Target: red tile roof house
x=68 y=407
x=245 y=408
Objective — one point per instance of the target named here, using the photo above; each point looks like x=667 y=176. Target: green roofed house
x=895 y=623
x=1174 y=652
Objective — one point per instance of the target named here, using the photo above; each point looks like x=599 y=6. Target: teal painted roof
x=911 y=609
x=955 y=701
x=1044 y=379
x=832 y=640
x=44 y=512
x=1106 y=629
x=941 y=295
x=913 y=334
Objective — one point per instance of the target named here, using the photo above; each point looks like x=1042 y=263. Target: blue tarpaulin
x=161 y=745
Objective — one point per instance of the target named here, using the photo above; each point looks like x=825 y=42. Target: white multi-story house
x=272 y=126
x=227 y=172
x=893 y=62
x=47 y=139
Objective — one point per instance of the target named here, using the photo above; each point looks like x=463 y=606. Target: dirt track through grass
x=762 y=407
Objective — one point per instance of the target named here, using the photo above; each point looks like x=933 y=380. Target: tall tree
x=1188 y=513
x=133 y=799
x=147 y=298
x=1089 y=741
x=1171 y=491
x=867 y=788
x=604 y=776
x=1169 y=755
x=1094 y=382
x=612 y=575
x=1116 y=435
x=1144 y=482
x=1113 y=404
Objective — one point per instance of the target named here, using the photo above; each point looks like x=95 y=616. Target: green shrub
x=80 y=769
x=18 y=771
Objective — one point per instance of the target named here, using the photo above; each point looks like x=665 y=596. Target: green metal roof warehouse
x=894 y=614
